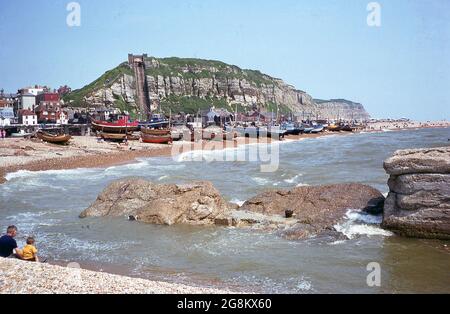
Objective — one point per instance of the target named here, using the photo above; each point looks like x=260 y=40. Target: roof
x=26 y=112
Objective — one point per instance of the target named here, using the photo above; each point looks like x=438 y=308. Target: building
x=34 y=90
x=26 y=101
x=64 y=90
x=62 y=118
x=27 y=117
x=51 y=101
x=7 y=100
x=6 y=116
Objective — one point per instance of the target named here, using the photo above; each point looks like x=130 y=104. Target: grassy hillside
x=186 y=68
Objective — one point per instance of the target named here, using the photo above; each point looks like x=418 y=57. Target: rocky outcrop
x=336 y=109
x=295 y=214
x=316 y=209
x=418 y=204
x=167 y=204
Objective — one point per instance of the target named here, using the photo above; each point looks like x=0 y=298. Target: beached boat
x=113 y=136
x=347 y=128
x=21 y=135
x=156 y=139
x=55 y=139
x=334 y=128
x=156 y=132
x=307 y=129
x=122 y=125
x=292 y=129
x=317 y=129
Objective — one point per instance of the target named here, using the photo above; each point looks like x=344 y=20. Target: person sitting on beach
x=8 y=245
x=29 y=251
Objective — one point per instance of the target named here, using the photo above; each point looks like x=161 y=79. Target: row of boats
x=123 y=130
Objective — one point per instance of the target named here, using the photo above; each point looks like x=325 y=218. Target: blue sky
x=324 y=47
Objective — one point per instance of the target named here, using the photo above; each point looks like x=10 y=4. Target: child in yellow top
x=29 y=252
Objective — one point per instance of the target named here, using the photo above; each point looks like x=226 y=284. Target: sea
x=46 y=205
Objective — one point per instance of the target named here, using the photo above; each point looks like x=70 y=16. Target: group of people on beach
x=9 y=248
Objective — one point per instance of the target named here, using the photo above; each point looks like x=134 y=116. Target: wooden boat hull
x=113 y=136
x=155 y=139
x=21 y=135
x=156 y=132
x=111 y=128
x=334 y=128
x=55 y=139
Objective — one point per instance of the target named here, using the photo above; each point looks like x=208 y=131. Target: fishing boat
x=157 y=121
x=292 y=129
x=156 y=132
x=51 y=138
x=334 y=128
x=347 y=128
x=156 y=139
x=21 y=135
x=317 y=129
x=113 y=136
x=122 y=125
x=308 y=129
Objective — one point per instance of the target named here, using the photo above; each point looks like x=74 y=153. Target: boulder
x=316 y=209
x=418 y=204
x=168 y=204
x=412 y=161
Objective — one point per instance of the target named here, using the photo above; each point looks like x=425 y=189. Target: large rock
x=168 y=204
x=411 y=161
x=316 y=209
x=418 y=204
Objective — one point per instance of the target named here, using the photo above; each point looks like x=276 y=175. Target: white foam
x=237 y=202
x=293 y=179
x=301 y=185
x=359 y=223
x=260 y=181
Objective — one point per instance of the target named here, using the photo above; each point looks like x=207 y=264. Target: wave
x=293 y=179
x=359 y=223
x=237 y=202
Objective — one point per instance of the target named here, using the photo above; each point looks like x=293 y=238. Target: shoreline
x=114 y=157
x=54 y=279
x=115 y=154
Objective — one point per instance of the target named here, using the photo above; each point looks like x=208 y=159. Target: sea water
x=47 y=204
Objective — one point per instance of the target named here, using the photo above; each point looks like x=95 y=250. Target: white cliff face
x=341 y=109
x=122 y=88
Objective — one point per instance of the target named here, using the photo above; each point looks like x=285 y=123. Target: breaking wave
x=359 y=223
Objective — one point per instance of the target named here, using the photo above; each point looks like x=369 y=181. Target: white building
x=28 y=117
x=62 y=118
x=4 y=121
x=26 y=102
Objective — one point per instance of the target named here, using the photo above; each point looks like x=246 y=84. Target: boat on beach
x=334 y=128
x=21 y=135
x=122 y=125
x=318 y=129
x=51 y=138
x=292 y=129
x=156 y=139
x=156 y=132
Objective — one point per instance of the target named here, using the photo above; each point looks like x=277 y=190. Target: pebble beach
x=19 y=277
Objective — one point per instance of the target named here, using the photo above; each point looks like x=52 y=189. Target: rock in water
x=418 y=204
x=317 y=208
x=168 y=204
